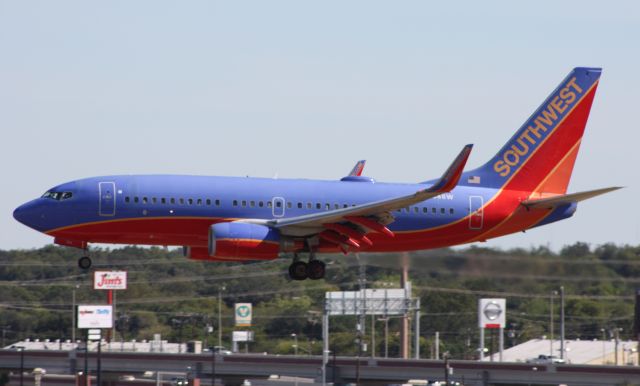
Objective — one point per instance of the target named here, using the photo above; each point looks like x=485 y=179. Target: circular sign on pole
x=492 y=313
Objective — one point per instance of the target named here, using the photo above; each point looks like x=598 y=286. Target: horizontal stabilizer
x=555 y=201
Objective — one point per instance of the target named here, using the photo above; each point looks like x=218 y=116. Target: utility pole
x=561 y=322
x=213 y=366
x=616 y=336
x=362 y=319
x=73 y=313
x=446 y=368
x=220 y=289
x=553 y=294
x=404 y=326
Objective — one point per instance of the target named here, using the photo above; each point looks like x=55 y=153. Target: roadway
x=232 y=369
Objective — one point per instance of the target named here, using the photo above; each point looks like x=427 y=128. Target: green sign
x=243 y=314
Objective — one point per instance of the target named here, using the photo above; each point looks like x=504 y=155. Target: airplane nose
x=27 y=214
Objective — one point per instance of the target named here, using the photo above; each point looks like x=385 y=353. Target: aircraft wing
x=555 y=201
x=371 y=214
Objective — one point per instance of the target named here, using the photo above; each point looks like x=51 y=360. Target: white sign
x=95 y=316
x=374 y=302
x=94 y=334
x=243 y=336
x=110 y=280
x=492 y=313
x=243 y=314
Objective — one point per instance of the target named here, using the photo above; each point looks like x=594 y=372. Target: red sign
x=110 y=280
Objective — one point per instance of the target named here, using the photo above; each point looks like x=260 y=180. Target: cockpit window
x=58 y=196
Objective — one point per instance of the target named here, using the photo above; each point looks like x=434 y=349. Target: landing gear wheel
x=298 y=270
x=315 y=270
x=84 y=262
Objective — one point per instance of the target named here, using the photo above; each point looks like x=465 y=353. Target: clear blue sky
x=304 y=89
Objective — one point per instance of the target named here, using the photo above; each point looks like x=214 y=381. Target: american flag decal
x=473 y=179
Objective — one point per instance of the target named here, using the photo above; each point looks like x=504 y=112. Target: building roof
x=576 y=351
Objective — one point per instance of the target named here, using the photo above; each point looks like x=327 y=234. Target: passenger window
x=425 y=210
x=450 y=210
x=217 y=202
x=416 y=209
x=278 y=204
x=327 y=206
x=135 y=199
x=289 y=204
x=336 y=206
x=318 y=205
x=407 y=209
x=441 y=210
x=199 y=201
x=260 y=204
x=309 y=205
x=190 y=201
x=126 y=199
x=163 y=200
x=235 y=202
x=268 y=204
x=433 y=210
x=144 y=200
x=244 y=203
x=181 y=201
x=299 y=205
x=252 y=203
x=345 y=205
x=208 y=201
x=173 y=200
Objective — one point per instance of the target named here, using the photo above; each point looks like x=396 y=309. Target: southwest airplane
x=240 y=219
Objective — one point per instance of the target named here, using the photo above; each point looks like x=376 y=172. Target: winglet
x=450 y=178
x=357 y=169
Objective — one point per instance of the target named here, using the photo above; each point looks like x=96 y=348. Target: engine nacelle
x=239 y=241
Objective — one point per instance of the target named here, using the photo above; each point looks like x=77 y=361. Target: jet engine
x=242 y=241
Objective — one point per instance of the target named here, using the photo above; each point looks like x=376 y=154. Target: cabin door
x=107 y=203
x=476 y=212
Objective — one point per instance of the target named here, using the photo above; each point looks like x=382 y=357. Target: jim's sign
x=110 y=280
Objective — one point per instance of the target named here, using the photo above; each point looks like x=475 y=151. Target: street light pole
x=604 y=338
x=21 y=348
x=295 y=344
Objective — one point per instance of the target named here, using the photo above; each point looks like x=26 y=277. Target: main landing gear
x=299 y=270
x=84 y=262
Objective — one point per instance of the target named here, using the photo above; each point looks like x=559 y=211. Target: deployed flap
x=357 y=169
x=555 y=201
x=445 y=184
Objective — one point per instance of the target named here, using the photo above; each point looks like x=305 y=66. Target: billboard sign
x=492 y=313
x=243 y=336
x=110 y=280
x=243 y=313
x=95 y=316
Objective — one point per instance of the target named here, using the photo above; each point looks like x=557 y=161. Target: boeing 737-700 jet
x=241 y=219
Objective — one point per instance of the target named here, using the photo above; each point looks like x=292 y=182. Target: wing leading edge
x=370 y=215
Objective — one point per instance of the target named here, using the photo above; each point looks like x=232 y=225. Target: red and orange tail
x=539 y=158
